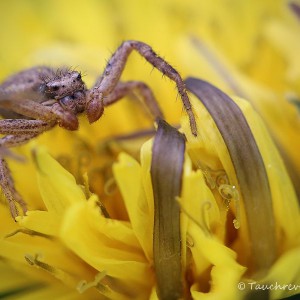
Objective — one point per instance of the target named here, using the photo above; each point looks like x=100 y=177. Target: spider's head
x=64 y=83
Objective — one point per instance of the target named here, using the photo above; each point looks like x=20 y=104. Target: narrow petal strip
x=166 y=174
x=128 y=174
x=249 y=168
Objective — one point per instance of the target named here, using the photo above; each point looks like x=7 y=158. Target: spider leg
x=112 y=73
x=42 y=112
x=19 y=131
x=9 y=191
x=23 y=126
x=123 y=89
x=28 y=108
x=6 y=180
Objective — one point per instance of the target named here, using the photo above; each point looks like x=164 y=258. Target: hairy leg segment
x=113 y=71
x=18 y=132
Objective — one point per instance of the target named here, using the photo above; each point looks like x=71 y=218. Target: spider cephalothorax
x=67 y=88
x=35 y=100
x=64 y=82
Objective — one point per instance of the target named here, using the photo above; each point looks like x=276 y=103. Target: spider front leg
x=18 y=133
x=22 y=127
x=112 y=73
x=39 y=111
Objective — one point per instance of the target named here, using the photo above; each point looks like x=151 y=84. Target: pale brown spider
x=37 y=99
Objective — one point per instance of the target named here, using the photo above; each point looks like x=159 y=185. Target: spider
x=37 y=99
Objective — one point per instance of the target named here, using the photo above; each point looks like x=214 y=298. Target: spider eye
x=55 y=87
x=78 y=76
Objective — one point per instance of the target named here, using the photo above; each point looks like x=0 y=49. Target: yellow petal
x=285 y=271
x=135 y=186
x=153 y=295
x=198 y=202
x=285 y=38
x=12 y=280
x=107 y=245
x=50 y=292
x=224 y=263
x=57 y=186
x=41 y=221
x=285 y=202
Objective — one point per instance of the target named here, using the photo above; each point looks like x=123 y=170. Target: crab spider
x=37 y=99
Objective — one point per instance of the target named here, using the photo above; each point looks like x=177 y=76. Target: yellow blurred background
x=249 y=48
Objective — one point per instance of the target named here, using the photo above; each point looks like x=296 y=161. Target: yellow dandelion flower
x=121 y=210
